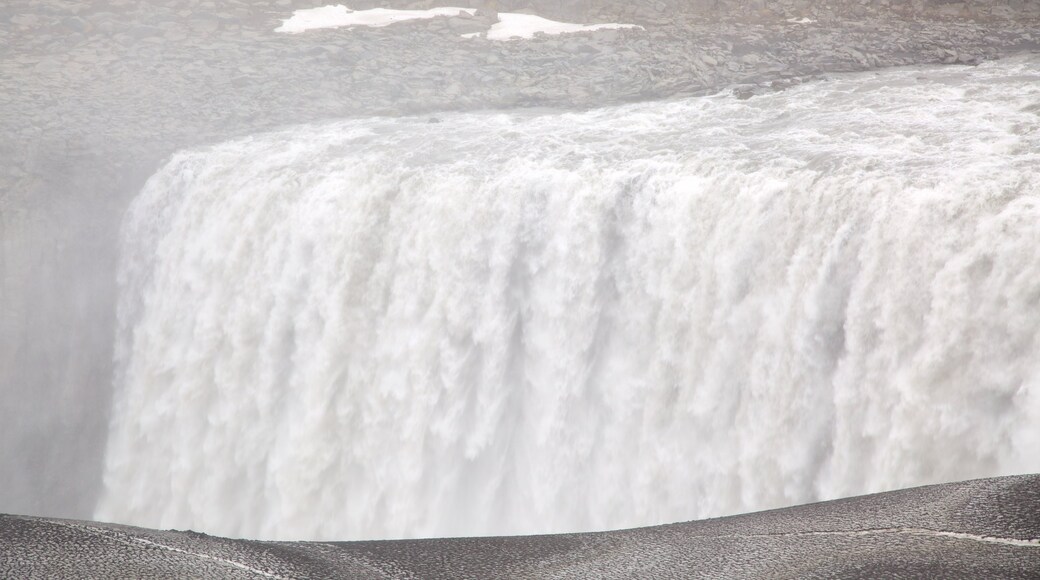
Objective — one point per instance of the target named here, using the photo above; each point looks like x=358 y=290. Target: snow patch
x=336 y=16
x=801 y=21
x=510 y=26
x=513 y=26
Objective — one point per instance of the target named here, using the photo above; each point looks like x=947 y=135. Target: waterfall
x=525 y=322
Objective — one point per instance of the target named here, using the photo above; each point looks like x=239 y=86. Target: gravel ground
x=978 y=529
x=93 y=95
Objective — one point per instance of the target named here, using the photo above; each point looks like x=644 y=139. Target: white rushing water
x=538 y=322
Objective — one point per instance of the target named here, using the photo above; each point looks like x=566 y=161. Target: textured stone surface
x=978 y=529
x=93 y=95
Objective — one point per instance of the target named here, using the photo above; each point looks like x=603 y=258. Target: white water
x=512 y=323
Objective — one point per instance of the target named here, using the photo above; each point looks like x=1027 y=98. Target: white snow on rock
x=513 y=26
x=510 y=26
x=801 y=21
x=338 y=15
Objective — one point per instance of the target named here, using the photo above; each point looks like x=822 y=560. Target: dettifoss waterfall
x=525 y=322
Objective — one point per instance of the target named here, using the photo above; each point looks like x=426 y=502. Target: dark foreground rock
x=987 y=528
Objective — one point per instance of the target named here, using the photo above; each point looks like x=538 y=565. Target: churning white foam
x=512 y=323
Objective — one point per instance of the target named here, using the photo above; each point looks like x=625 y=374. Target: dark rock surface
x=987 y=528
x=94 y=94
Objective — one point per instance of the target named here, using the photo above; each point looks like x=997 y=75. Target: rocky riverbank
x=95 y=94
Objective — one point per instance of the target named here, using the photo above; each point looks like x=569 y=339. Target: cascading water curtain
x=513 y=323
